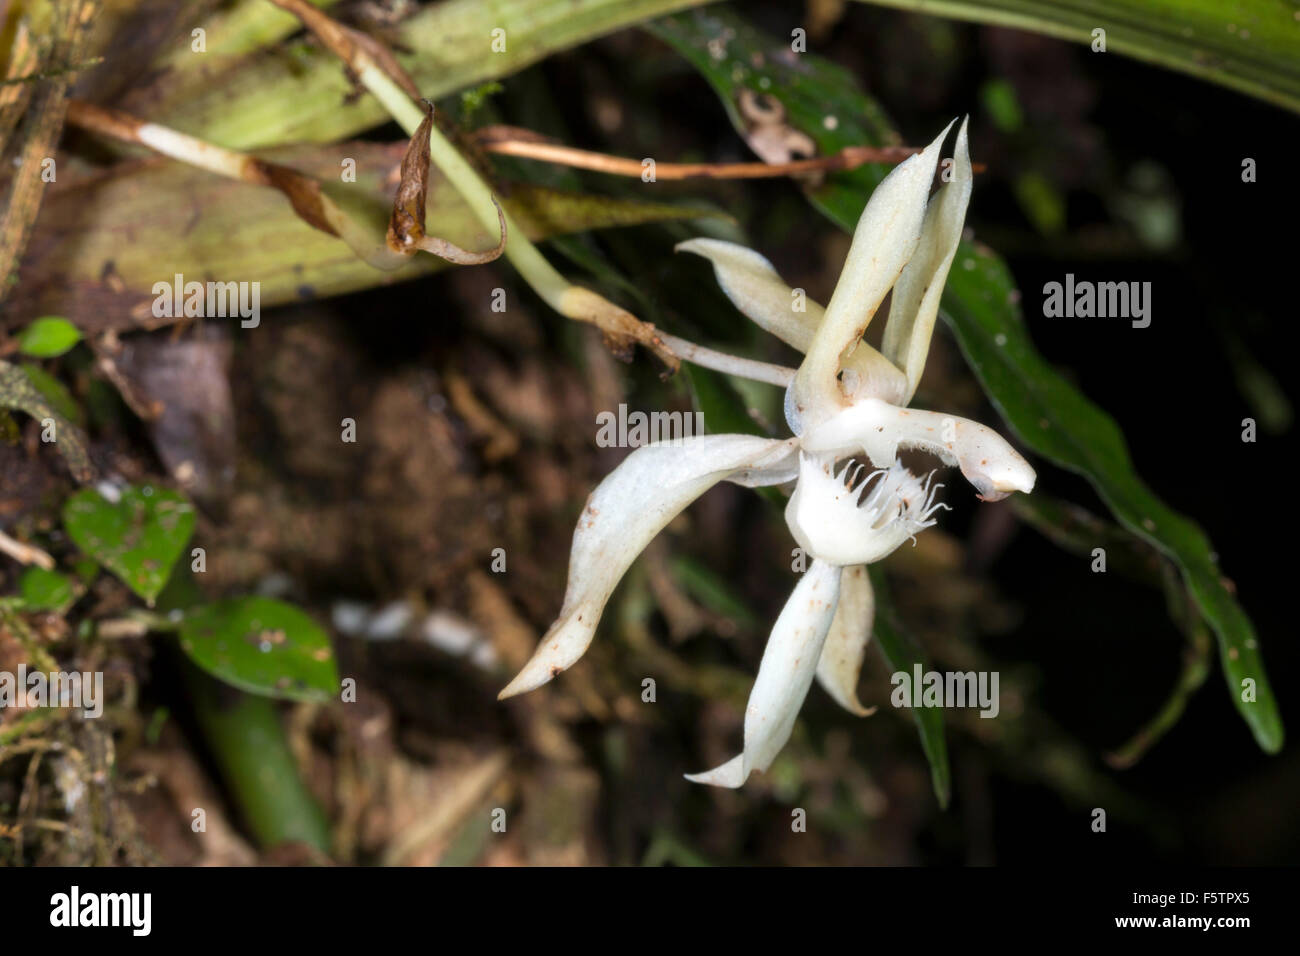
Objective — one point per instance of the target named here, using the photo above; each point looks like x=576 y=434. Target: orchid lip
x=844 y=518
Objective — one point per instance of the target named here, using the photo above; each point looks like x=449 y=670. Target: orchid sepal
x=784 y=675
x=632 y=505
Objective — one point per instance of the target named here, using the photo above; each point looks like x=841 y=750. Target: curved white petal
x=915 y=304
x=840 y=665
x=730 y=774
x=885 y=239
x=752 y=284
x=784 y=676
x=879 y=429
x=627 y=509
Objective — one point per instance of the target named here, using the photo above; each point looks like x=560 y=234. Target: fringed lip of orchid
x=847 y=400
x=845 y=518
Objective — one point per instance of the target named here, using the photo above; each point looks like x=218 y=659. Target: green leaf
x=999 y=99
x=235 y=228
x=708 y=588
x=248 y=744
x=48 y=337
x=301 y=94
x=980 y=304
x=262 y=646
x=1055 y=419
x=18 y=391
x=902 y=654
x=718 y=401
x=139 y=537
x=55 y=393
x=43 y=590
x=1248 y=45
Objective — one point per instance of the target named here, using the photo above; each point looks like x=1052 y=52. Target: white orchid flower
x=845 y=402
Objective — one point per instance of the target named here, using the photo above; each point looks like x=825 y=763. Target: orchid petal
x=879 y=429
x=915 y=304
x=752 y=284
x=885 y=239
x=840 y=665
x=632 y=505
x=732 y=774
x=784 y=675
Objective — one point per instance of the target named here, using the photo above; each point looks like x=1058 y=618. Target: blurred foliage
x=139 y=533
x=261 y=646
x=48 y=337
x=1248 y=45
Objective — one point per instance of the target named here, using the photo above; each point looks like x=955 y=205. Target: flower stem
x=730 y=364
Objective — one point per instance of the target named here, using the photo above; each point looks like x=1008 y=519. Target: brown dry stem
x=527 y=144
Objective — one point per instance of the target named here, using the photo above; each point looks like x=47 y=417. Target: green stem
x=248 y=743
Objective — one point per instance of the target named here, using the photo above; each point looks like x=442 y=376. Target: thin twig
x=25 y=553
x=526 y=144
x=731 y=364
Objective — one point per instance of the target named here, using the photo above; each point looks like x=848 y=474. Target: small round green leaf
x=48 y=336
x=138 y=537
x=43 y=590
x=262 y=646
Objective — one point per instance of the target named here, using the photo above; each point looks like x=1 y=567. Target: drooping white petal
x=784 y=676
x=885 y=239
x=879 y=429
x=627 y=509
x=915 y=304
x=840 y=665
x=752 y=284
